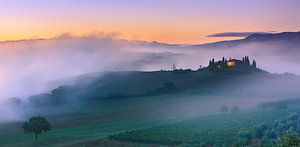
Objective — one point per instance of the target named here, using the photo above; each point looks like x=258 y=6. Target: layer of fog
x=27 y=67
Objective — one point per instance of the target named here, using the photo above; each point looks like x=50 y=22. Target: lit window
x=230 y=64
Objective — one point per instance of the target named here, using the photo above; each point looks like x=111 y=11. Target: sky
x=170 y=21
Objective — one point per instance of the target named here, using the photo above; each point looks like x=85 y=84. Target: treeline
x=280 y=104
x=64 y=94
x=225 y=109
x=59 y=95
x=243 y=65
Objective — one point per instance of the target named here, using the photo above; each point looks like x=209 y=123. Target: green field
x=88 y=121
x=60 y=137
x=166 y=119
x=215 y=129
x=99 y=119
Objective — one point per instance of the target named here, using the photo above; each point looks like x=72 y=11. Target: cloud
x=236 y=34
x=95 y=34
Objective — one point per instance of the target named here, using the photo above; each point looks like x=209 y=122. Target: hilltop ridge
x=215 y=79
x=291 y=38
x=233 y=65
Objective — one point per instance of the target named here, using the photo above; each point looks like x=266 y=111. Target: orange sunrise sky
x=170 y=21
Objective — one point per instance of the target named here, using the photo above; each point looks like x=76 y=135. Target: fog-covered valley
x=32 y=67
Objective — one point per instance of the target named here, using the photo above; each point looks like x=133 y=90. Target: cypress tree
x=247 y=61
x=254 y=64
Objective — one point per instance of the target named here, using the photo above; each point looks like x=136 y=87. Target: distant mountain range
x=292 y=38
x=284 y=37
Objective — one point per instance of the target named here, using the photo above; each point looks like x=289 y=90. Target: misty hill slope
x=112 y=85
x=287 y=38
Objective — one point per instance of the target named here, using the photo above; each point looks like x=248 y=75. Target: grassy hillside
x=111 y=85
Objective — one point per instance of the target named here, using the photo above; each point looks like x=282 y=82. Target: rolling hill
x=204 y=81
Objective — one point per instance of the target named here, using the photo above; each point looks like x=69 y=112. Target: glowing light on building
x=230 y=63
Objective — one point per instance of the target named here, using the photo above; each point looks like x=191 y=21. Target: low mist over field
x=37 y=62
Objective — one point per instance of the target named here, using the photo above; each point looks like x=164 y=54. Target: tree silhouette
x=235 y=109
x=224 y=108
x=174 y=67
x=254 y=64
x=37 y=125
